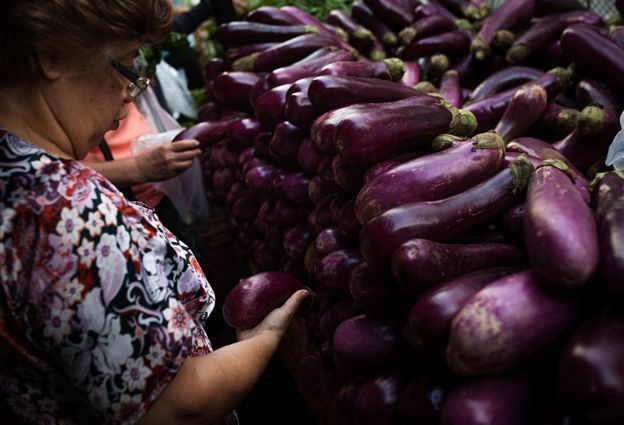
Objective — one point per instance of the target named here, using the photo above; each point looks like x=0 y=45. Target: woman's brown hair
x=82 y=30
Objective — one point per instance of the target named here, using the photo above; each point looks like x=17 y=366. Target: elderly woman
x=100 y=305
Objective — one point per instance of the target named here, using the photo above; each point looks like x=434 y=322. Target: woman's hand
x=276 y=321
x=168 y=160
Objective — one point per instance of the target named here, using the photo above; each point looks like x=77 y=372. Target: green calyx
x=407 y=35
x=480 y=49
x=396 y=68
x=488 y=140
x=246 y=63
x=591 y=120
x=522 y=170
x=463 y=123
x=444 y=141
x=517 y=53
x=389 y=40
x=425 y=87
x=559 y=165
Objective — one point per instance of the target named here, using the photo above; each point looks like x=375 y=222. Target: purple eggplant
x=206 y=133
x=591 y=379
x=348 y=222
x=419 y=264
x=432 y=7
x=292 y=187
x=421 y=400
x=308 y=156
x=358 y=35
x=260 y=178
x=425 y=27
x=300 y=111
x=504 y=79
x=505 y=399
x=213 y=68
x=506 y=323
x=398 y=13
x=240 y=32
x=445 y=219
x=609 y=203
x=243 y=132
x=387 y=69
x=592 y=92
x=376 y=51
x=334 y=316
x=432 y=177
x=323 y=129
x=568 y=230
x=346 y=177
x=451 y=43
x=547 y=30
x=508 y=16
x=512 y=224
x=310 y=20
x=330 y=240
x=309 y=66
x=488 y=111
x=333 y=92
x=233 y=54
x=273 y=16
x=300 y=86
x=334 y=269
x=428 y=324
x=320 y=188
x=557 y=121
x=587 y=47
x=412 y=74
x=233 y=88
x=378 y=398
x=468 y=8
x=523 y=111
x=284 y=146
x=259 y=88
x=373 y=290
x=451 y=89
x=210 y=111
x=261 y=144
x=368 y=19
x=616 y=35
x=269 y=107
x=378 y=169
x=365 y=343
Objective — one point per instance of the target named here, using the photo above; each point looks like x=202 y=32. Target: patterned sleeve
x=113 y=298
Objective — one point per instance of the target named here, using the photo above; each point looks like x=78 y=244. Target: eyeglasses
x=138 y=84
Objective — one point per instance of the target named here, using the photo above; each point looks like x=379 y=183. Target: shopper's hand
x=277 y=321
x=168 y=160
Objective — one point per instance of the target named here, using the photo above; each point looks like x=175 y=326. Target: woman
x=100 y=305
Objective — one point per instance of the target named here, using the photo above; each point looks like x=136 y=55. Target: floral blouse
x=99 y=303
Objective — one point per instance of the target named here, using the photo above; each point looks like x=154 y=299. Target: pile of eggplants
x=433 y=171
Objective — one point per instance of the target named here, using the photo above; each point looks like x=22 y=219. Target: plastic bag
x=175 y=91
x=615 y=155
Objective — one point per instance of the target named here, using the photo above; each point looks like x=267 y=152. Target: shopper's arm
x=208 y=387
x=187 y=22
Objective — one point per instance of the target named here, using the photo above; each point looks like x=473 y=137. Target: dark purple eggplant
x=557 y=121
x=364 y=343
x=310 y=20
x=348 y=222
x=587 y=47
x=387 y=69
x=451 y=88
x=213 y=68
x=269 y=107
x=260 y=178
x=378 y=169
x=259 y=88
x=373 y=290
x=376 y=51
x=358 y=35
x=432 y=7
x=488 y=111
x=504 y=79
x=425 y=27
x=507 y=323
x=445 y=219
x=332 y=92
x=546 y=30
x=592 y=92
x=367 y=18
x=289 y=214
x=419 y=264
x=469 y=9
x=292 y=187
x=609 y=204
x=451 y=43
x=300 y=111
x=398 y=13
x=320 y=188
x=330 y=240
x=432 y=177
x=233 y=88
x=244 y=131
x=272 y=15
x=240 y=32
x=616 y=35
x=346 y=177
x=421 y=400
x=428 y=325
x=591 y=378
x=378 y=398
x=334 y=269
x=325 y=169
x=284 y=146
x=523 y=111
x=323 y=129
x=308 y=156
x=507 y=16
x=261 y=144
x=309 y=66
x=300 y=86
x=233 y=54
x=210 y=111
x=513 y=224
x=505 y=399
x=206 y=133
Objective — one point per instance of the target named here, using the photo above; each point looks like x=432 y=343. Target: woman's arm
x=207 y=388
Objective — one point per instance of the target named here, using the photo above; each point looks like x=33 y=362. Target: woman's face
x=87 y=102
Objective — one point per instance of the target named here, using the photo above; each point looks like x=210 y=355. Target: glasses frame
x=138 y=84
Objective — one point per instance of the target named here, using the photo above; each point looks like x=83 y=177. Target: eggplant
x=260 y=178
x=557 y=121
x=590 y=377
x=419 y=264
x=319 y=189
x=608 y=199
x=240 y=32
x=387 y=69
x=292 y=187
x=210 y=111
x=207 y=133
x=592 y=92
x=256 y=296
x=379 y=131
x=338 y=313
x=425 y=27
x=616 y=34
x=368 y=19
x=330 y=240
x=259 y=88
x=365 y=343
x=451 y=89
x=432 y=177
x=398 y=13
x=488 y=111
x=222 y=180
x=421 y=400
x=300 y=86
x=546 y=30
x=358 y=35
x=378 y=398
x=346 y=177
x=412 y=74
x=284 y=146
x=335 y=267
x=269 y=107
x=584 y=151
x=507 y=323
x=445 y=219
x=309 y=66
x=523 y=111
x=332 y=92
x=213 y=68
x=586 y=47
x=568 y=230
x=376 y=51
x=373 y=289
x=451 y=43
x=427 y=328
x=300 y=111
x=378 y=169
x=323 y=129
x=244 y=131
x=507 y=399
x=307 y=19
x=348 y=222
x=233 y=54
x=545 y=7
x=272 y=15
x=261 y=144
x=308 y=157
x=509 y=15
x=432 y=7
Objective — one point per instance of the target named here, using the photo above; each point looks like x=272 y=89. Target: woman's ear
x=50 y=66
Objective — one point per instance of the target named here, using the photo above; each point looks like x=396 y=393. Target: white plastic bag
x=175 y=91
x=615 y=155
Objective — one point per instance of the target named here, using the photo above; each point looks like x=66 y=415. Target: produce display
x=433 y=171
